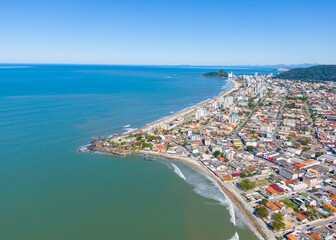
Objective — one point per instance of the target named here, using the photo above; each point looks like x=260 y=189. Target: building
x=233 y=118
x=200 y=113
x=311 y=180
x=289 y=174
x=298 y=235
x=330 y=158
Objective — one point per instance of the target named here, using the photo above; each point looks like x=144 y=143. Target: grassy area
x=290 y=204
x=262 y=183
x=304 y=195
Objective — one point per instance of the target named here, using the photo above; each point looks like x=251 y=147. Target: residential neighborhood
x=271 y=140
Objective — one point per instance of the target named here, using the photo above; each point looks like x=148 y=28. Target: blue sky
x=234 y=32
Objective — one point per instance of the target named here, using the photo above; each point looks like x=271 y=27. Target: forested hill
x=219 y=74
x=315 y=73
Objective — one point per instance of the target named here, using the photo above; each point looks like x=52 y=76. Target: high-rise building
x=200 y=113
x=233 y=118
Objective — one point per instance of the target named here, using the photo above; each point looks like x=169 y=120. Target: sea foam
x=178 y=171
x=235 y=237
x=206 y=187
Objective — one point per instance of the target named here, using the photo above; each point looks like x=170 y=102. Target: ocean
x=49 y=190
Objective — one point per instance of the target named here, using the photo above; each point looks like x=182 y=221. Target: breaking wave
x=178 y=171
x=129 y=130
x=235 y=237
x=202 y=187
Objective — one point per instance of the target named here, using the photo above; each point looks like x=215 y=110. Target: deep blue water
x=50 y=191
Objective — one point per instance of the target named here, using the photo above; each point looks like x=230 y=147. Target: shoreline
x=186 y=112
x=256 y=224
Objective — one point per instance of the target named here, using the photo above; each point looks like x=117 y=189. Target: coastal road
x=321 y=222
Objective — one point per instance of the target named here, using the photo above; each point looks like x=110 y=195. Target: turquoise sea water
x=48 y=190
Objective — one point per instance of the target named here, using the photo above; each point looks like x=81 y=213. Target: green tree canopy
x=262 y=211
x=264 y=201
x=216 y=153
x=277 y=217
x=278 y=225
x=247 y=184
x=250 y=148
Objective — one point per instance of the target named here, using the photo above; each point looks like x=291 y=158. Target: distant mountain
x=290 y=66
x=219 y=74
x=315 y=73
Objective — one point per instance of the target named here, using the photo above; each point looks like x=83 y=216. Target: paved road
x=241 y=126
x=321 y=222
x=279 y=119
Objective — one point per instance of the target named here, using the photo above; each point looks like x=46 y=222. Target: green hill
x=315 y=73
x=219 y=74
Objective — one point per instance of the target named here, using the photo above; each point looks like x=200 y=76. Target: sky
x=174 y=32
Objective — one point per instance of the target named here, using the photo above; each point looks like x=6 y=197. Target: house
x=251 y=170
x=324 y=232
x=294 y=151
x=290 y=174
x=315 y=236
x=277 y=188
x=226 y=178
x=279 y=205
x=302 y=218
x=273 y=207
x=311 y=180
x=330 y=158
x=298 y=235
x=300 y=165
x=297 y=186
x=319 y=170
x=329 y=207
x=271 y=192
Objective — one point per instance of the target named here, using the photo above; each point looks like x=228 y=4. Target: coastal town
x=269 y=143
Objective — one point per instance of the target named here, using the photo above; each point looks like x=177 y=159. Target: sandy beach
x=189 y=111
x=228 y=188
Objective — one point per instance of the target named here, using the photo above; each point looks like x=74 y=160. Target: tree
x=250 y=148
x=305 y=141
x=278 y=225
x=216 y=153
x=247 y=184
x=262 y=211
x=296 y=145
x=278 y=217
x=318 y=154
x=304 y=149
x=264 y=201
x=150 y=138
x=207 y=151
x=243 y=175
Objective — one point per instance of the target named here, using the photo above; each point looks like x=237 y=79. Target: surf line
x=178 y=171
x=227 y=201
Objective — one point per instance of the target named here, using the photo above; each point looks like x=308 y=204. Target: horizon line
x=177 y=65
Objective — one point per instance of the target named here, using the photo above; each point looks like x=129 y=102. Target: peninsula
x=268 y=143
x=219 y=74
